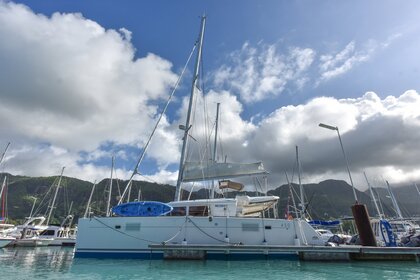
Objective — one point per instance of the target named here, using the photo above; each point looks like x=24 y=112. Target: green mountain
x=326 y=200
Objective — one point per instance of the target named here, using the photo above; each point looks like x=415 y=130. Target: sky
x=81 y=81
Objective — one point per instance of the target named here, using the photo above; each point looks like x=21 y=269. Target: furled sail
x=196 y=171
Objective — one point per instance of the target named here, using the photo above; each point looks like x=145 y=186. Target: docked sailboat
x=37 y=231
x=242 y=220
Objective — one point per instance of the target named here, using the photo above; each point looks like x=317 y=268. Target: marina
x=235 y=151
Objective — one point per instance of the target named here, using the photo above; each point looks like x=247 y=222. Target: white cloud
x=380 y=136
x=336 y=64
x=69 y=84
x=332 y=65
x=261 y=72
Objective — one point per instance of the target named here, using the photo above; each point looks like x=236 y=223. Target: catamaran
x=243 y=220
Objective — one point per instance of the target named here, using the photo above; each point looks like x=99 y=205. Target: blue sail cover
x=324 y=223
x=142 y=209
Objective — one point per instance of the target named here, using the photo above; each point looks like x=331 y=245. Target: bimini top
x=142 y=209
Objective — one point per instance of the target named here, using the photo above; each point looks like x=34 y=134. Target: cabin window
x=178 y=211
x=132 y=227
x=267 y=227
x=198 y=211
x=250 y=227
x=117 y=226
x=48 y=232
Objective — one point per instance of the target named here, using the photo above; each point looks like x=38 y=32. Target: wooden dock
x=304 y=253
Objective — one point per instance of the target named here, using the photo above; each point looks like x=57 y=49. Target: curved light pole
x=344 y=154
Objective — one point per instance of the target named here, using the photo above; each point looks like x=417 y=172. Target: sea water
x=58 y=263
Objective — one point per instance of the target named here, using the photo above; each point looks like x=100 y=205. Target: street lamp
x=344 y=154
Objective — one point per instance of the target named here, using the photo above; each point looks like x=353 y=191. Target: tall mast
x=415 y=185
x=291 y=194
x=187 y=124
x=5 y=150
x=110 y=188
x=302 y=197
x=3 y=186
x=89 y=200
x=215 y=145
x=394 y=201
x=373 y=197
x=55 y=196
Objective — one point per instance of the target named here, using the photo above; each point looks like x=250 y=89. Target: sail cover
x=196 y=171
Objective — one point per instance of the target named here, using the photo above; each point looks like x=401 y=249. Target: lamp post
x=344 y=154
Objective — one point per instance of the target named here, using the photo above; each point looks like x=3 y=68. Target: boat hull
x=5 y=241
x=131 y=237
x=31 y=242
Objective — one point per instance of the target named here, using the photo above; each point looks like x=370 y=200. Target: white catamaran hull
x=131 y=236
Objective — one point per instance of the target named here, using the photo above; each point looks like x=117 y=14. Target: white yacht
x=27 y=234
x=63 y=235
x=242 y=220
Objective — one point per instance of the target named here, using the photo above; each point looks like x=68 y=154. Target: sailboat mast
x=187 y=124
x=302 y=197
x=3 y=186
x=215 y=145
x=5 y=150
x=110 y=189
x=55 y=196
x=89 y=200
x=373 y=197
x=291 y=194
x=415 y=185
x=394 y=201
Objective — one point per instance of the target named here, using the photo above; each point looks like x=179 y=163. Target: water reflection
x=52 y=259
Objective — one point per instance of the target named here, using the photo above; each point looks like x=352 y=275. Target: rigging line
x=136 y=169
x=179 y=231
x=44 y=201
x=205 y=233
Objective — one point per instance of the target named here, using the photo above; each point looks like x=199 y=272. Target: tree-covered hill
x=326 y=200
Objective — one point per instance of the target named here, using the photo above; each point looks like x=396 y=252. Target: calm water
x=58 y=263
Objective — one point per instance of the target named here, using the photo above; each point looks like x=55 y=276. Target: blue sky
x=72 y=68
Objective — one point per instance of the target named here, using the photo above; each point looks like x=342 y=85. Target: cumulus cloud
x=257 y=73
x=67 y=82
x=380 y=136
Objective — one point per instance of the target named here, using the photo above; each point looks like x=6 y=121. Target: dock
x=304 y=253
